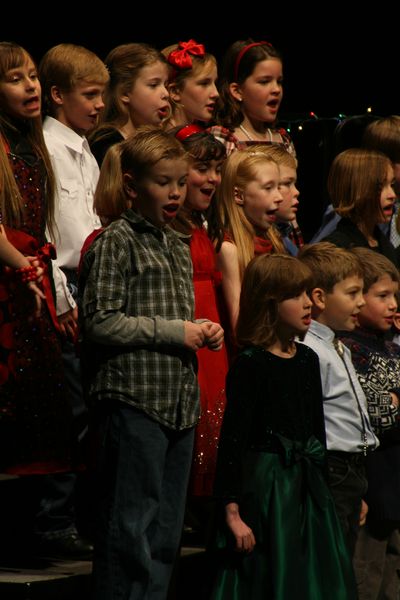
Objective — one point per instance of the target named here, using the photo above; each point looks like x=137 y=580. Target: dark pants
x=377 y=561
x=348 y=485
x=143 y=473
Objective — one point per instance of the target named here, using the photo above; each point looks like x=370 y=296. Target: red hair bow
x=181 y=59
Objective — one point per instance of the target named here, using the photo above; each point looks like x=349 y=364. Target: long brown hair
x=230 y=114
x=13 y=56
x=268 y=280
x=124 y=64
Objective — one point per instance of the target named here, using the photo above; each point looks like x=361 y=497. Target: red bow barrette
x=181 y=59
x=187 y=131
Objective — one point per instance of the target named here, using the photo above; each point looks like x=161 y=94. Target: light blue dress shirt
x=340 y=386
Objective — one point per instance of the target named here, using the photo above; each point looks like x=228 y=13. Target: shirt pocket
x=68 y=196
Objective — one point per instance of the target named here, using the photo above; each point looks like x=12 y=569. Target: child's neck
x=127 y=130
x=255 y=131
x=283 y=347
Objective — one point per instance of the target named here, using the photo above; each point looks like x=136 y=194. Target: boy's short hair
x=148 y=145
x=329 y=264
x=375 y=266
x=66 y=66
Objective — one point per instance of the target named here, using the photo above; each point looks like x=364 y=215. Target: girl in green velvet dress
x=279 y=536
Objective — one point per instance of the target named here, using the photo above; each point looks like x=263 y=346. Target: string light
x=290 y=124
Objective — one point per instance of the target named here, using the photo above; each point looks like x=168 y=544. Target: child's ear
x=238 y=195
x=174 y=93
x=235 y=91
x=318 y=297
x=396 y=321
x=56 y=95
x=129 y=186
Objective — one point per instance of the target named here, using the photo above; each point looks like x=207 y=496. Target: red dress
x=212 y=369
x=35 y=416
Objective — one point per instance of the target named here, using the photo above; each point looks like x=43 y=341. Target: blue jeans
x=143 y=473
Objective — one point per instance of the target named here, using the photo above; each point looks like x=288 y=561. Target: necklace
x=246 y=133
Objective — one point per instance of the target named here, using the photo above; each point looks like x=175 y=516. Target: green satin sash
x=300 y=551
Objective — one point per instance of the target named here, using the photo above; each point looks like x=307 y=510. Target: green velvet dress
x=271 y=462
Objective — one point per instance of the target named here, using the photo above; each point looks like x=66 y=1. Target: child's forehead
x=170 y=165
x=25 y=63
x=87 y=82
x=347 y=283
x=386 y=282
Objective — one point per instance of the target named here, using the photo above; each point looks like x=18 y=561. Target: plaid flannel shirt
x=143 y=276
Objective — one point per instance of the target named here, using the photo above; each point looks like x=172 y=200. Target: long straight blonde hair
x=237 y=172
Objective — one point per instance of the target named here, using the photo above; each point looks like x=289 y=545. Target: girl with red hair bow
x=191 y=83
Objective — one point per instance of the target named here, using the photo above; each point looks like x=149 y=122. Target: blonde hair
x=178 y=77
x=237 y=172
x=329 y=264
x=267 y=281
x=135 y=156
x=355 y=182
x=66 y=66
x=276 y=152
x=13 y=56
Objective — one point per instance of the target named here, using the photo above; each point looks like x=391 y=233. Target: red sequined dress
x=35 y=417
x=212 y=367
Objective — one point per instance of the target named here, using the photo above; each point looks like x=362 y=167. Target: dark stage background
x=334 y=66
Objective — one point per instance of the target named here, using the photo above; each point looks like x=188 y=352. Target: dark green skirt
x=300 y=552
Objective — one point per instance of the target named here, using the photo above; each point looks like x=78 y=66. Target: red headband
x=187 y=131
x=242 y=52
x=181 y=59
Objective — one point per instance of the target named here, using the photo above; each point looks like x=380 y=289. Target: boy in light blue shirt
x=337 y=299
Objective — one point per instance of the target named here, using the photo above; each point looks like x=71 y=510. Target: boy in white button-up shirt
x=73 y=81
x=337 y=298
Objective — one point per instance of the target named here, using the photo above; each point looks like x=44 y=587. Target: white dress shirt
x=341 y=389
x=76 y=173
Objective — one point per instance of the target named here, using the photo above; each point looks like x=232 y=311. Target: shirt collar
x=321 y=331
x=141 y=224
x=65 y=135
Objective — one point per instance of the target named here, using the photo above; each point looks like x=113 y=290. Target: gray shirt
x=340 y=389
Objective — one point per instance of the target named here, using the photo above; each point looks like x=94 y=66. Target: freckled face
x=261 y=197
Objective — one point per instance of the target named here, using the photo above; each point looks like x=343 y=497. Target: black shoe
x=70 y=547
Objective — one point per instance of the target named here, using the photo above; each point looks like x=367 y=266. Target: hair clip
x=187 y=131
x=242 y=52
x=181 y=59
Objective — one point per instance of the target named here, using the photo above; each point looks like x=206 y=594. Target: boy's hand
x=194 y=336
x=214 y=335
